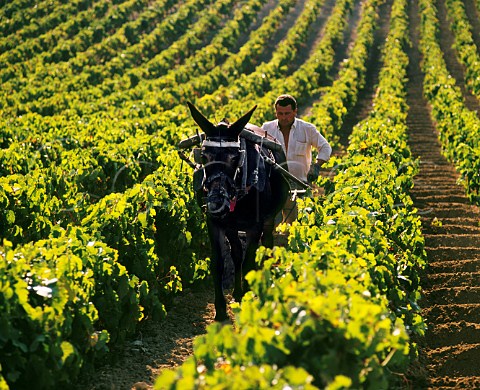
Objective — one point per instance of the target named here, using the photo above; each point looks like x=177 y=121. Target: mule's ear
x=240 y=124
x=207 y=126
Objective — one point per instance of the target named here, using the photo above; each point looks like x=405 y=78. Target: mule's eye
x=206 y=157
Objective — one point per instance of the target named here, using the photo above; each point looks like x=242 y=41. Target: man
x=297 y=138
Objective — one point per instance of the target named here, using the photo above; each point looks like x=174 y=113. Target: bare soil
x=450 y=351
x=449 y=354
x=157 y=345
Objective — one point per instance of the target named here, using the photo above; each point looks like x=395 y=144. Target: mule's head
x=221 y=157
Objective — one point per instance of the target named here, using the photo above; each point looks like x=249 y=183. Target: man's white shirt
x=303 y=136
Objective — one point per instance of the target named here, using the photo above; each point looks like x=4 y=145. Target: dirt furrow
x=455 y=279
x=455 y=266
x=450 y=350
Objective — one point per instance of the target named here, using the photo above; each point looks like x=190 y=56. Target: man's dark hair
x=286 y=100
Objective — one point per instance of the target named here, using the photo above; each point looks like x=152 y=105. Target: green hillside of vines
x=99 y=226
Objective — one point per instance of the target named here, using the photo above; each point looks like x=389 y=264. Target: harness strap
x=241 y=175
x=221 y=144
x=255 y=172
x=243 y=188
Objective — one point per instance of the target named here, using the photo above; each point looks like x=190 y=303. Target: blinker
x=197 y=155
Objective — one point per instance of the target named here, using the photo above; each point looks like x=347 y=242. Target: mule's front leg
x=237 y=257
x=217 y=266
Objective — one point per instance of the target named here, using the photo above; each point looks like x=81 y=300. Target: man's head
x=285 y=110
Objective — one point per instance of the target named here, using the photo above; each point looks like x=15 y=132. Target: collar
x=294 y=124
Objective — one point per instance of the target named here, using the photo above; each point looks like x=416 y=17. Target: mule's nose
x=218 y=208
x=215 y=207
x=217 y=202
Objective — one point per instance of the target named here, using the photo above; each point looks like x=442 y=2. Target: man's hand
x=314 y=172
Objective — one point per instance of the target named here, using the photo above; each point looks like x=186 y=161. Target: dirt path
x=156 y=346
x=450 y=351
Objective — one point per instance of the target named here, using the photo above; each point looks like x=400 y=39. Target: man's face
x=285 y=115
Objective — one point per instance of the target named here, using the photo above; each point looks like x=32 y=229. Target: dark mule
x=241 y=191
